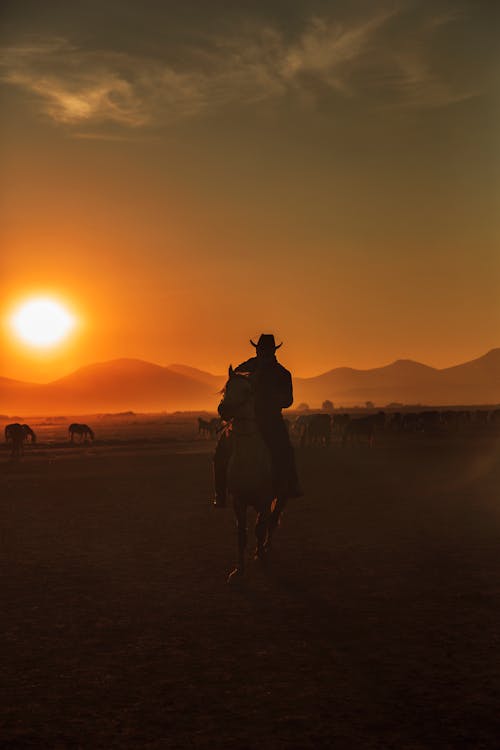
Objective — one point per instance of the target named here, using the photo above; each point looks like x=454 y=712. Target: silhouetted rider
x=273 y=392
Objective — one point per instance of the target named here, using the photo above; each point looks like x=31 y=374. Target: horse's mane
x=244 y=375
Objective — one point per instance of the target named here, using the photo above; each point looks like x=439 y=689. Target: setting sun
x=42 y=322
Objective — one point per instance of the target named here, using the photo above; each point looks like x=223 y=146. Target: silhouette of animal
x=18 y=434
x=395 y=422
x=411 y=422
x=495 y=418
x=80 y=429
x=316 y=430
x=358 y=430
x=203 y=427
x=339 y=423
x=299 y=425
x=482 y=417
x=430 y=421
x=208 y=428
x=249 y=471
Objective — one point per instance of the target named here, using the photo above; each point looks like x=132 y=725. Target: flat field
x=375 y=624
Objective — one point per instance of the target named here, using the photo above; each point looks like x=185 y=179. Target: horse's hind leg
x=241 y=520
x=241 y=528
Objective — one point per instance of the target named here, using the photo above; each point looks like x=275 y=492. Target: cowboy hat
x=266 y=341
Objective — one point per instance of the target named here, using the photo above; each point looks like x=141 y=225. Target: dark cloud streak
x=384 y=57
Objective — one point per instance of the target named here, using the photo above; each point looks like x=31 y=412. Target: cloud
x=372 y=60
x=75 y=86
x=329 y=49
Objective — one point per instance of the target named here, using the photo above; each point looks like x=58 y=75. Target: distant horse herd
x=318 y=429
x=321 y=429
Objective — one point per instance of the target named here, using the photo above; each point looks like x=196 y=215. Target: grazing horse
x=249 y=471
x=80 y=429
x=18 y=434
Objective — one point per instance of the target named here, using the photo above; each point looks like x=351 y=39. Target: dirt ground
x=376 y=623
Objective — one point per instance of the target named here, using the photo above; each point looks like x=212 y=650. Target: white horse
x=249 y=471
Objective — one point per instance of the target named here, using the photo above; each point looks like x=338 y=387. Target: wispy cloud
x=330 y=50
x=364 y=59
x=75 y=86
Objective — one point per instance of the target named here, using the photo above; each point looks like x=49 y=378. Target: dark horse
x=249 y=471
x=18 y=434
x=80 y=429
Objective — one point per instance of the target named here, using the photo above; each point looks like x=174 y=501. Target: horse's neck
x=244 y=422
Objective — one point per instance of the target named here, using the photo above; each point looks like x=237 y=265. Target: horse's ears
x=231 y=371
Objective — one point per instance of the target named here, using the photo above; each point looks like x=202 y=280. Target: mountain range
x=132 y=384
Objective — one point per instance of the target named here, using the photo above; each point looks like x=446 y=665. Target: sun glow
x=42 y=322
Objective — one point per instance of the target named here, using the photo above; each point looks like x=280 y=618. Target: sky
x=187 y=175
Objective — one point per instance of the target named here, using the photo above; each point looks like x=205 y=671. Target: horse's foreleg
x=261 y=530
x=241 y=525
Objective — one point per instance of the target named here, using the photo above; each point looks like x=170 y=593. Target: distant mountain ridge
x=117 y=385
x=133 y=384
x=406 y=381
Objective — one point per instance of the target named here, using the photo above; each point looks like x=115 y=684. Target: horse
x=208 y=428
x=356 y=429
x=249 y=470
x=18 y=434
x=316 y=430
x=203 y=427
x=80 y=429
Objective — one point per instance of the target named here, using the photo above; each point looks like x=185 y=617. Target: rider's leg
x=286 y=482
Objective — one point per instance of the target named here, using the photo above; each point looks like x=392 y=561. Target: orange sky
x=254 y=171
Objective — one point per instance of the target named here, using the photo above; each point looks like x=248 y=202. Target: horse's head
x=28 y=432
x=237 y=394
